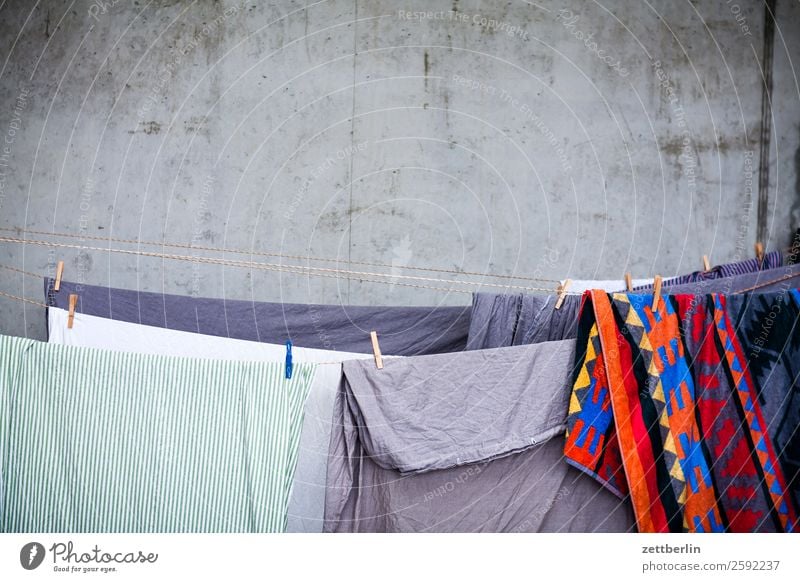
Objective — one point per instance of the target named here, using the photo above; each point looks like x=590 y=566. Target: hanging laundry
x=460 y=443
x=102 y=441
x=771 y=260
x=306 y=506
x=722 y=430
x=404 y=330
x=766 y=281
x=768 y=328
x=609 y=285
x=793 y=254
x=643 y=425
x=500 y=320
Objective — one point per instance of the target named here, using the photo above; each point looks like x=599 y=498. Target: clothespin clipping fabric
x=656 y=291
x=562 y=292
x=376 y=350
x=289 y=366
x=73 y=303
x=759 y=253
x=59 y=273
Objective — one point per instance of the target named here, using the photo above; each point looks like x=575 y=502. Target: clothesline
x=788 y=250
x=767 y=283
x=297 y=269
x=25 y=299
x=39 y=304
x=28 y=273
x=272 y=254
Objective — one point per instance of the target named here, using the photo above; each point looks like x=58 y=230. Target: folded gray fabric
x=428 y=444
x=345 y=328
x=424 y=415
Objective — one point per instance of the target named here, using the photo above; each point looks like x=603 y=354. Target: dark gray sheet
x=402 y=330
x=467 y=442
x=516 y=319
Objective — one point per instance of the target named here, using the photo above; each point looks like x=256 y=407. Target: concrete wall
x=783 y=213
x=545 y=139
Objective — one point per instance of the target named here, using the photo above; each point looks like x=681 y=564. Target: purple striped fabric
x=771 y=261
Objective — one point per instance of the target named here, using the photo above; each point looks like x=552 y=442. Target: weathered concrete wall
x=783 y=216
x=500 y=137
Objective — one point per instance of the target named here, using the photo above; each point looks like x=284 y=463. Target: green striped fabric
x=100 y=441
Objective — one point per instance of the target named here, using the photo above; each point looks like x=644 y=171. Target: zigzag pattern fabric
x=663 y=409
x=725 y=436
x=768 y=328
x=764 y=452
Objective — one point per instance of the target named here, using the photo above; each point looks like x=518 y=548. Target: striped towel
x=664 y=410
x=100 y=441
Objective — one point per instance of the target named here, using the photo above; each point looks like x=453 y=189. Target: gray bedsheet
x=466 y=442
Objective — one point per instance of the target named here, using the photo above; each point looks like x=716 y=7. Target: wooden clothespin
x=706 y=264
x=759 y=253
x=562 y=292
x=73 y=302
x=59 y=272
x=376 y=349
x=628 y=282
x=656 y=291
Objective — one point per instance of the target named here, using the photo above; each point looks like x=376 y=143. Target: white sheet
x=609 y=285
x=307 y=502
